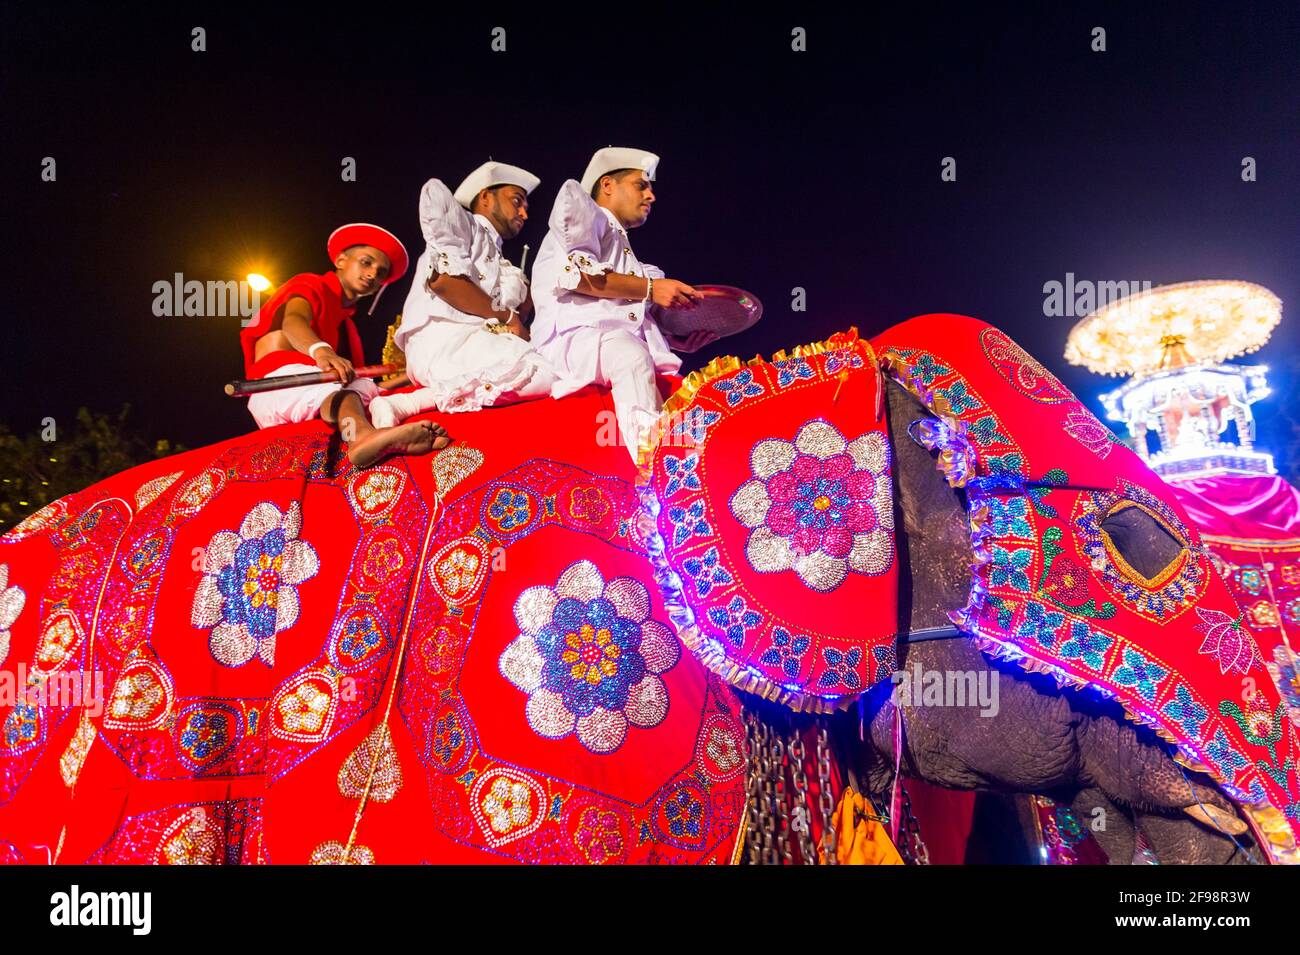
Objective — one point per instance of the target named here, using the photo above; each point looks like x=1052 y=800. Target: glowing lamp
x=1175 y=341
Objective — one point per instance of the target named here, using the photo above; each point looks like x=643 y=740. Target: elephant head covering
x=1086 y=566
x=767 y=498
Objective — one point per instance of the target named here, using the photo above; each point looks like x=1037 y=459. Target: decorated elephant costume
x=493 y=655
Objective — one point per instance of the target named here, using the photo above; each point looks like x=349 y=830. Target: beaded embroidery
x=526 y=796
x=210 y=833
x=1021 y=370
x=12 y=599
x=745 y=531
x=249 y=590
x=818 y=505
x=150 y=491
x=589 y=657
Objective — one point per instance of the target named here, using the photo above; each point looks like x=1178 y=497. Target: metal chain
x=766 y=796
x=912 y=848
x=826 y=802
x=768 y=802
x=802 y=824
x=781 y=796
x=753 y=835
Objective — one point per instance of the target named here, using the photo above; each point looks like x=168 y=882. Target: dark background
x=817 y=169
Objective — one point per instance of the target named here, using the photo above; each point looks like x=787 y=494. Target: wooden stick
x=252 y=386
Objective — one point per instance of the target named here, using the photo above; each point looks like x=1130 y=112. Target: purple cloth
x=1242 y=505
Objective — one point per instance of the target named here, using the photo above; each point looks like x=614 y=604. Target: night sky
x=779 y=169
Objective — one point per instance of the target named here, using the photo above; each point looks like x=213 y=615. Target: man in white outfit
x=463 y=326
x=593 y=295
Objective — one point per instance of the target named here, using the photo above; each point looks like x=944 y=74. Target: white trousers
x=624 y=365
x=464 y=367
x=295 y=405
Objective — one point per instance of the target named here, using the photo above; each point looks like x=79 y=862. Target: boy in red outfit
x=298 y=331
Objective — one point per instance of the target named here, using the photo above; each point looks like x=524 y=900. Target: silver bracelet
x=649 y=289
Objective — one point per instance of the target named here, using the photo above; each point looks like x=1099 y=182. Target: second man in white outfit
x=463 y=326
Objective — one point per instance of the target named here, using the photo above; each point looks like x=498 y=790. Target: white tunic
x=586 y=237
x=451 y=353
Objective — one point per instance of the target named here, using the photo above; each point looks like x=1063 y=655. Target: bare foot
x=418 y=437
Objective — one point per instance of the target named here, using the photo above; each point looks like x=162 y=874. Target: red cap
x=363 y=233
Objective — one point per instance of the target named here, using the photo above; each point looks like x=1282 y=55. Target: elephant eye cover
x=768 y=498
x=1086 y=566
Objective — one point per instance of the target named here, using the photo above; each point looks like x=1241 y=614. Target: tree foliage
x=41 y=467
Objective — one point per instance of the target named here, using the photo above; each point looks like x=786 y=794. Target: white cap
x=618 y=157
x=494 y=174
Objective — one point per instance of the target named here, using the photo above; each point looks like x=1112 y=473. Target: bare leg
x=366 y=443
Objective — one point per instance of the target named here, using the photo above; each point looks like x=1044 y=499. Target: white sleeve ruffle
x=448 y=229
x=578 y=222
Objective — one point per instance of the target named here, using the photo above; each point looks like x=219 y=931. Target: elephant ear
x=767 y=497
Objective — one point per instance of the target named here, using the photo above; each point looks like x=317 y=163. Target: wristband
x=311 y=352
x=649 y=289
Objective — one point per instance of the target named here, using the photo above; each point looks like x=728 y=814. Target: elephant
x=235 y=595
x=1042 y=739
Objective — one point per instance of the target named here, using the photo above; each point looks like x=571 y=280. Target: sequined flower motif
x=684 y=812
x=818 y=505
x=841 y=668
x=11 y=605
x=688 y=522
x=786 y=651
x=681 y=474
x=843 y=357
x=734 y=620
x=506 y=804
x=205 y=734
x=693 y=426
x=1139 y=673
x=739 y=387
x=510 y=509
x=1251 y=580
x=599 y=835
x=1227 y=640
x=249 y=590
x=792 y=370
x=590 y=656
x=1285 y=671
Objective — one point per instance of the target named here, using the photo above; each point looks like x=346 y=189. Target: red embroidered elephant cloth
x=458 y=657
